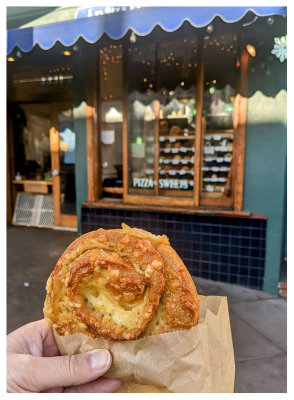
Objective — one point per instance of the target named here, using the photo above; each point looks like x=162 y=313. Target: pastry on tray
x=120 y=284
x=176 y=130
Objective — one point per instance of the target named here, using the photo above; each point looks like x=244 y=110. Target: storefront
x=169 y=122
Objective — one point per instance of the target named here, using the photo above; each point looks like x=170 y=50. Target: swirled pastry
x=121 y=284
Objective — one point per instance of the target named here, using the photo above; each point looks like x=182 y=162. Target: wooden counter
x=118 y=203
x=34 y=185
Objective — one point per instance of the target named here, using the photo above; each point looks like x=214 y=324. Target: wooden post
x=156 y=145
x=241 y=134
x=125 y=126
x=54 y=148
x=93 y=159
x=198 y=132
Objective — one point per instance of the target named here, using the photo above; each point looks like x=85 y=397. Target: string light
x=209 y=28
x=251 y=50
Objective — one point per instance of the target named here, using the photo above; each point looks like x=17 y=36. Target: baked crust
x=121 y=284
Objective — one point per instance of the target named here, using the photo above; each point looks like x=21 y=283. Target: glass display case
x=218 y=127
x=168 y=120
x=161 y=119
x=111 y=118
x=217 y=142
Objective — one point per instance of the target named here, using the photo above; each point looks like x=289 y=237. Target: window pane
x=111 y=117
x=177 y=74
x=221 y=74
x=67 y=157
x=141 y=106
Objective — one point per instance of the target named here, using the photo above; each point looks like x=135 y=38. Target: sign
x=107 y=137
x=83 y=12
x=163 y=183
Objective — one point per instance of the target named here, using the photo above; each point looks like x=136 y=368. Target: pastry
x=163 y=125
x=121 y=284
x=175 y=130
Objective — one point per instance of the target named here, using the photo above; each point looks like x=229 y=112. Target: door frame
x=61 y=220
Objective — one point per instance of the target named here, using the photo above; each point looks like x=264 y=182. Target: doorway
x=63 y=150
x=42 y=164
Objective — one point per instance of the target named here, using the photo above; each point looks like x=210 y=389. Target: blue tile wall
x=228 y=249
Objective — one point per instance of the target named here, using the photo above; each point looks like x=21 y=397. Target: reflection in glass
x=111 y=112
x=67 y=151
x=221 y=74
x=161 y=117
x=176 y=138
x=141 y=122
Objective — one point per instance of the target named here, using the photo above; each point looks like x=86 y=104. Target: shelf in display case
x=173 y=139
x=219 y=131
x=176 y=150
x=176 y=117
x=176 y=161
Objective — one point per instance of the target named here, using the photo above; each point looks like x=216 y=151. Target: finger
x=58 y=389
x=47 y=372
x=102 y=385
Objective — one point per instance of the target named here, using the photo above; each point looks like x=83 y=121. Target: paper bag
x=197 y=360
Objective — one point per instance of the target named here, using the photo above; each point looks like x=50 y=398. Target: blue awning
x=116 y=24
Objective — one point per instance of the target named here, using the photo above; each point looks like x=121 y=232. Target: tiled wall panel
x=228 y=249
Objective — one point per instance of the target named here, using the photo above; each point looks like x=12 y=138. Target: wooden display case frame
x=234 y=202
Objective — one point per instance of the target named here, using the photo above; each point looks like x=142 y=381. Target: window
x=172 y=104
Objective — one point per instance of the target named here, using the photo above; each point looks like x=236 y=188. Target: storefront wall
x=246 y=251
x=265 y=162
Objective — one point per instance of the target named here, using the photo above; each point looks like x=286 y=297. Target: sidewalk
x=258 y=319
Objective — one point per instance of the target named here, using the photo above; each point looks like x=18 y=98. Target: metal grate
x=33 y=210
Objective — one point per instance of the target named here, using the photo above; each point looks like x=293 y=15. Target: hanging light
x=238 y=62
x=251 y=50
x=211 y=89
x=67 y=53
x=133 y=37
x=209 y=28
x=270 y=20
x=10 y=59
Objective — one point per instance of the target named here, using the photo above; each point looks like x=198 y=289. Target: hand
x=35 y=365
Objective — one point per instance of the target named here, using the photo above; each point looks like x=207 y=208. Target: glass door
x=62 y=145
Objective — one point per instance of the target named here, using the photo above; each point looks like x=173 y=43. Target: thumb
x=48 y=372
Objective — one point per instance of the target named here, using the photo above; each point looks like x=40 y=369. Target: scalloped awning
x=116 y=24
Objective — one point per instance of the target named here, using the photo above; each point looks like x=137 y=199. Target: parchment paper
x=198 y=360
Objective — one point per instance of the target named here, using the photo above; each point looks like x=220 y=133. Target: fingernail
x=100 y=359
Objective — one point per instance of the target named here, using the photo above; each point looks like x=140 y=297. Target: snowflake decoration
x=280 y=48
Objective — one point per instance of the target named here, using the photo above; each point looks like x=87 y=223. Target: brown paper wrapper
x=197 y=360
